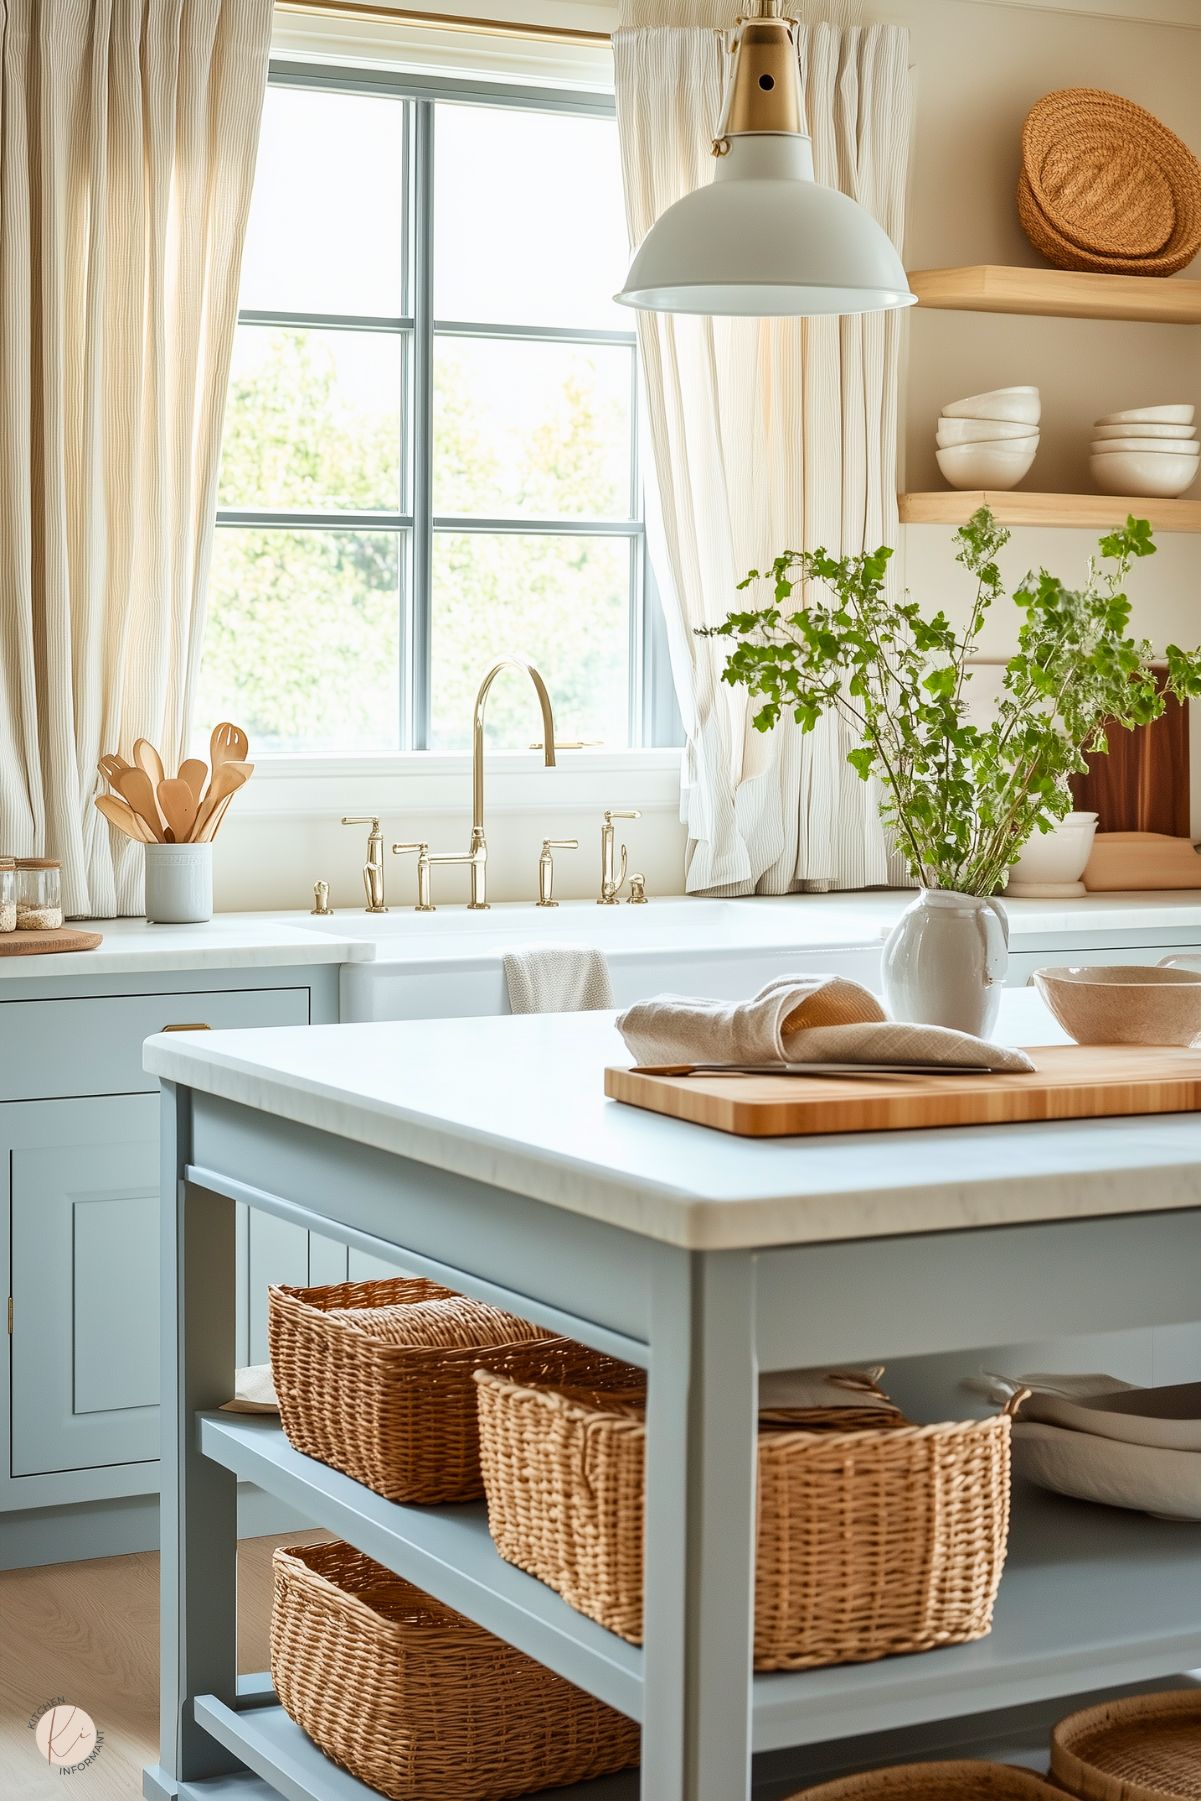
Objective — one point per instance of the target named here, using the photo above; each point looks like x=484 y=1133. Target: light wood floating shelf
x=1096 y=512
x=1059 y=293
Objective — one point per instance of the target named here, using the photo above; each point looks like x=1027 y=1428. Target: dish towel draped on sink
x=797 y=1019
x=557 y=978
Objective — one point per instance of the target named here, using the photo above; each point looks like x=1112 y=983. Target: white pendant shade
x=765 y=239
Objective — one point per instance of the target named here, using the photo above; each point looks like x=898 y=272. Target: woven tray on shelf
x=1146 y=1748
x=961 y=1779
x=418 y=1702
x=870 y=1541
x=374 y=1379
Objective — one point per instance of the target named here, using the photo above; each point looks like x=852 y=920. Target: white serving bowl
x=1151 y=415
x=1152 y=447
x=984 y=465
x=1027 y=443
x=981 y=431
x=1052 y=863
x=1019 y=405
x=1142 y=429
x=1149 y=473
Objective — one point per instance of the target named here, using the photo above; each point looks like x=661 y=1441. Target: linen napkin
x=797 y=1019
x=557 y=978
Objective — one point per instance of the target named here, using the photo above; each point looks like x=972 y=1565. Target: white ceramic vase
x=179 y=883
x=944 y=961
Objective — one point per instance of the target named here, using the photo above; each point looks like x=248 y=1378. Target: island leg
x=199 y=1535
x=702 y=1422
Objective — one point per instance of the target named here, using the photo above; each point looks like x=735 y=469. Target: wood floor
x=89 y=1632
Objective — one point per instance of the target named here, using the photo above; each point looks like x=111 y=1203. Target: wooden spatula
x=111 y=767
x=177 y=804
x=134 y=786
x=124 y=818
x=227 y=779
x=228 y=744
x=195 y=773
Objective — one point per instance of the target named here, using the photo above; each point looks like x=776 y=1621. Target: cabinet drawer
x=52 y=1049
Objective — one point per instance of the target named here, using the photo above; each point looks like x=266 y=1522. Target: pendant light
x=764 y=238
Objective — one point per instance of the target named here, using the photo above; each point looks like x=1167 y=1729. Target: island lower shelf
x=1092 y=1598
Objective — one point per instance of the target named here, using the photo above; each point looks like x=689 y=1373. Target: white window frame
x=654 y=725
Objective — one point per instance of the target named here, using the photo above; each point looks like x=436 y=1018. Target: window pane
x=327 y=226
x=529 y=224
x=302 y=646
x=562 y=601
x=313 y=421
x=536 y=429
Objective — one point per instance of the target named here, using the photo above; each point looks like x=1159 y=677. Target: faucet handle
x=370 y=819
x=546 y=868
x=612 y=813
x=398 y=850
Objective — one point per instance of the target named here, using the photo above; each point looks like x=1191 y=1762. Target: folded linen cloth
x=797 y=1019
x=254 y=1391
x=557 y=978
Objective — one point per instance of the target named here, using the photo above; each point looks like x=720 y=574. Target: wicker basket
x=869 y=1541
x=416 y=1701
x=1147 y=1748
x=959 y=1780
x=374 y=1379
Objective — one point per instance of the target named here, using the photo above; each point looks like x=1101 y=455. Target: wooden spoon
x=195 y=773
x=228 y=777
x=134 y=786
x=177 y=804
x=124 y=818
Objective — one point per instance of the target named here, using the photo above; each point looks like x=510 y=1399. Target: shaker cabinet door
x=85 y=1282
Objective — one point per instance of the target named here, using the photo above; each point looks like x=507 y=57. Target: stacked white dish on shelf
x=1150 y=451
x=989 y=440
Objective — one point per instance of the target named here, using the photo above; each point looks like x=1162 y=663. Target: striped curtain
x=128 y=134
x=767 y=435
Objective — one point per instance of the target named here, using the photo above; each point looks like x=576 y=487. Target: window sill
x=433 y=782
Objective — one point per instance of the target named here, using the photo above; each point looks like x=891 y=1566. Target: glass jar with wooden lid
x=8 y=894
x=39 y=894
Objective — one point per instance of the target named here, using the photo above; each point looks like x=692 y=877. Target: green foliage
x=962 y=796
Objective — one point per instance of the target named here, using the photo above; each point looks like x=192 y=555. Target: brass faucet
x=476 y=857
x=373 y=868
x=612 y=880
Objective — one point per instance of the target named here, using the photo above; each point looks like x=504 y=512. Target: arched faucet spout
x=477 y=737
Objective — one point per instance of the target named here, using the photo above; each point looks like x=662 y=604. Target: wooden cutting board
x=1071 y=1081
x=40 y=944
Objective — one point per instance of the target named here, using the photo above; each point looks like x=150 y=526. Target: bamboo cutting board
x=35 y=944
x=1072 y=1081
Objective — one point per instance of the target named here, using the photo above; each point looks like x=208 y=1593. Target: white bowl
x=1149 y=473
x=1055 y=859
x=1151 y=415
x=980 y=431
x=1020 y=405
x=1027 y=443
x=1140 y=429
x=1152 y=447
x=984 y=465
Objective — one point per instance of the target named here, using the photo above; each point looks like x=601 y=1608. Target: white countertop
x=227 y=941
x=519 y=1103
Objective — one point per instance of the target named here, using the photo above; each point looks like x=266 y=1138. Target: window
x=431 y=444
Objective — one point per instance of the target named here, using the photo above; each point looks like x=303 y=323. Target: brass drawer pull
x=198 y=1026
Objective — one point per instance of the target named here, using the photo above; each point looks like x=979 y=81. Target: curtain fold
x=766 y=434
x=128 y=135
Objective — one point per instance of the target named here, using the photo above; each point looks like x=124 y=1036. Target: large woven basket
x=374 y=1378
x=1146 y=1748
x=869 y=1541
x=958 y=1780
x=418 y=1702
x=1106 y=186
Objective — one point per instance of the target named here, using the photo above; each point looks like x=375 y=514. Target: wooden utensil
x=228 y=777
x=228 y=744
x=146 y=757
x=195 y=773
x=124 y=818
x=111 y=767
x=177 y=804
x=134 y=786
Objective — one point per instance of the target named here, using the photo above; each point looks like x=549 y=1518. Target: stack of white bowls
x=1150 y=450
x=989 y=440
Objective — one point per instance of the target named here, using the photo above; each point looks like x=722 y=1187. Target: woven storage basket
x=869 y=1541
x=418 y=1702
x=960 y=1780
x=374 y=1379
x=1147 y=1748
x=1106 y=186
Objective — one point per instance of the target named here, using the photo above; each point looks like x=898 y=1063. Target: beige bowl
x=1151 y=415
x=1140 y=429
x=1124 y=1003
x=1145 y=447
x=1146 y=473
x=983 y=431
x=986 y=465
x=1019 y=405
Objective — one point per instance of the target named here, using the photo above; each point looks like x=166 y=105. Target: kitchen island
x=483 y=1154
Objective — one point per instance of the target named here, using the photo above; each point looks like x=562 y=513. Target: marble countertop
x=227 y=941
x=519 y=1103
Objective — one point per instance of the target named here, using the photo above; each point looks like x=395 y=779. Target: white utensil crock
x=179 y=883
x=944 y=961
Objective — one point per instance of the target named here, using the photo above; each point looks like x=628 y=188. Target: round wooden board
x=41 y=944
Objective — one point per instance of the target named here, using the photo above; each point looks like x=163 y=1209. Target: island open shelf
x=1094 y=512
x=1059 y=293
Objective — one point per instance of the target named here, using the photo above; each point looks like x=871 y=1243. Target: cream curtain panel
x=128 y=133
x=766 y=435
